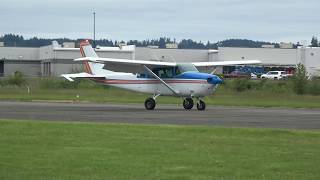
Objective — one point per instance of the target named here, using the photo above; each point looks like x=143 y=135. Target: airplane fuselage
x=186 y=87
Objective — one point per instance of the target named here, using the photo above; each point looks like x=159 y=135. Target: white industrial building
x=54 y=60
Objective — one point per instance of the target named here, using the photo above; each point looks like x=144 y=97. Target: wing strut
x=162 y=81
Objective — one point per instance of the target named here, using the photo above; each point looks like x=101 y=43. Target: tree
x=300 y=79
x=314 y=42
x=162 y=42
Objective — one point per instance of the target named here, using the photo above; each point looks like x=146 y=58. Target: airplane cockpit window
x=170 y=72
x=167 y=72
x=186 y=67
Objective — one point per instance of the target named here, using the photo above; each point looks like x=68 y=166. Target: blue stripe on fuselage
x=212 y=79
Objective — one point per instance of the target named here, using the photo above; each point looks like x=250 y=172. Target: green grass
x=223 y=96
x=55 y=150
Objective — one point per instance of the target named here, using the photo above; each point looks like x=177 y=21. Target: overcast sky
x=214 y=20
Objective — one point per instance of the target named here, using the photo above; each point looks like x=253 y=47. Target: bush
x=241 y=84
x=59 y=83
x=2 y=82
x=17 y=79
x=300 y=79
x=313 y=87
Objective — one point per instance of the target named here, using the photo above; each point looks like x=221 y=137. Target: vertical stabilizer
x=86 y=50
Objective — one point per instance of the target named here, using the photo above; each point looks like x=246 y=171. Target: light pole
x=94 y=29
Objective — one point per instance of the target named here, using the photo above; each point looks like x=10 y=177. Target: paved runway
x=164 y=114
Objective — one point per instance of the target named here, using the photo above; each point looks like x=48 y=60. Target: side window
x=177 y=71
x=164 y=72
x=161 y=73
x=169 y=73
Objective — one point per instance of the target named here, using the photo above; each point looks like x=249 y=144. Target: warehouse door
x=1 y=68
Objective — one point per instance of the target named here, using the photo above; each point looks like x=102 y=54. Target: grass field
x=55 y=150
x=223 y=96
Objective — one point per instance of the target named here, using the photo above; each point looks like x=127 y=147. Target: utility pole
x=94 y=29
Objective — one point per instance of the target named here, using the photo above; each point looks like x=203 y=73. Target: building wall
x=29 y=68
x=172 y=55
x=25 y=60
x=274 y=56
x=59 y=67
x=116 y=54
x=213 y=55
x=312 y=60
x=19 y=53
x=46 y=52
x=35 y=61
x=73 y=53
x=63 y=60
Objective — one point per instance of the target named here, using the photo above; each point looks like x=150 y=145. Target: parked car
x=275 y=75
x=254 y=76
x=237 y=74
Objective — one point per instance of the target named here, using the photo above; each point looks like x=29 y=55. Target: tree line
x=314 y=42
x=12 y=40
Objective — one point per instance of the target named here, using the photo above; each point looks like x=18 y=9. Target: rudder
x=86 y=50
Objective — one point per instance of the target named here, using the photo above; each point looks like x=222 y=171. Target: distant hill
x=12 y=40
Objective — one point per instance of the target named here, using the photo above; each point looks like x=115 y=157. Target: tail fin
x=86 y=50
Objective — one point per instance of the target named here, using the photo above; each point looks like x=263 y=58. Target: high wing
x=225 y=63
x=126 y=61
x=161 y=63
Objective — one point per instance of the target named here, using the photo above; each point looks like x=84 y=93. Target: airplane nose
x=215 y=80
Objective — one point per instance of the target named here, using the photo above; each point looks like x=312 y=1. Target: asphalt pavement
x=164 y=114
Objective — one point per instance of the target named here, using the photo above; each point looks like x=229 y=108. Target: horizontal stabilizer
x=70 y=77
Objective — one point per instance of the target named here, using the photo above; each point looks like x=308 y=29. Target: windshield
x=185 y=68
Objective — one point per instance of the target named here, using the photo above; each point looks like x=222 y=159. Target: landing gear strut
x=188 y=103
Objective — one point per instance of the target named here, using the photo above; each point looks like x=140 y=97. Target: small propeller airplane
x=153 y=77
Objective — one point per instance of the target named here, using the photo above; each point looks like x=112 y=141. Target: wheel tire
x=201 y=106
x=150 y=104
x=188 y=103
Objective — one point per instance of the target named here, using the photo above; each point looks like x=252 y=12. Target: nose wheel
x=150 y=104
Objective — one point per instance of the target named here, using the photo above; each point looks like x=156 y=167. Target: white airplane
x=153 y=77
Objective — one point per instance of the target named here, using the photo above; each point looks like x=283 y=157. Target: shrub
x=300 y=79
x=17 y=79
x=59 y=83
x=313 y=87
x=241 y=84
x=56 y=83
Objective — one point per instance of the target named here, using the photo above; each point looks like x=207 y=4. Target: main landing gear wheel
x=150 y=104
x=201 y=105
x=188 y=103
